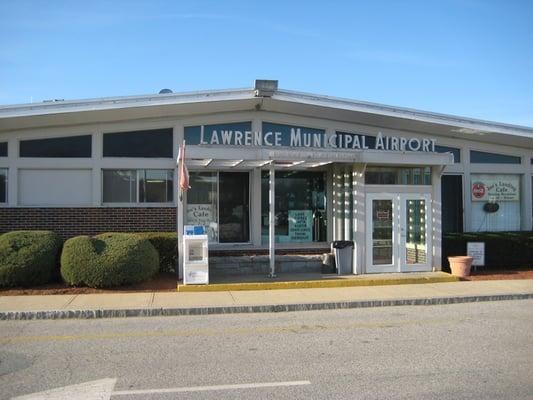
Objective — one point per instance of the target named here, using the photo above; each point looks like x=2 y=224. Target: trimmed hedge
x=166 y=244
x=110 y=259
x=28 y=258
x=502 y=249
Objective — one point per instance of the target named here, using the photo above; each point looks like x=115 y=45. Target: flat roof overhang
x=179 y=105
x=235 y=157
x=383 y=118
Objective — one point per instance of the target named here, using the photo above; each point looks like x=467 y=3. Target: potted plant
x=460 y=265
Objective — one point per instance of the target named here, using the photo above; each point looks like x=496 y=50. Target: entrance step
x=260 y=264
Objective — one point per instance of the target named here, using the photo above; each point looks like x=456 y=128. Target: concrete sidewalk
x=178 y=303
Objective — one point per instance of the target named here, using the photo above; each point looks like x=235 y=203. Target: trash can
x=343 y=250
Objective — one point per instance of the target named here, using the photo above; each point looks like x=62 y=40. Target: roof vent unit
x=165 y=91
x=265 y=88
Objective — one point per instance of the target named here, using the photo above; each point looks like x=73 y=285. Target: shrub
x=166 y=244
x=28 y=258
x=502 y=249
x=111 y=259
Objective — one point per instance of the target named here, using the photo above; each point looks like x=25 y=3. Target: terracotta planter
x=460 y=265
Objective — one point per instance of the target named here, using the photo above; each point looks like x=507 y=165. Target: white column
x=271 y=219
x=97 y=143
x=255 y=210
x=436 y=216
x=347 y=212
x=358 y=227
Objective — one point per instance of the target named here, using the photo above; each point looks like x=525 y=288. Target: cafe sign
x=495 y=188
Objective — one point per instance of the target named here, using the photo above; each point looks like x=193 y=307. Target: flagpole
x=180 y=216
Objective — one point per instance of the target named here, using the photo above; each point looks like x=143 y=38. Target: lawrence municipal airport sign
x=277 y=135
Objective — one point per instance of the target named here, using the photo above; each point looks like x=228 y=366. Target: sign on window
x=495 y=188
x=300 y=225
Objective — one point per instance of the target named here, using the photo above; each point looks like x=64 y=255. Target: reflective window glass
x=3 y=185
x=202 y=202
x=481 y=157
x=61 y=147
x=495 y=202
x=3 y=149
x=155 y=143
x=155 y=186
x=119 y=186
x=445 y=149
x=398 y=176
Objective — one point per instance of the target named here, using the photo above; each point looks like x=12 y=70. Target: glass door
x=415 y=232
x=234 y=207
x=382 y=237
x=398 y=234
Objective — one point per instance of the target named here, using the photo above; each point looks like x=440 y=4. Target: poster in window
x=202 y=214
x=495 y=188
x=300 y=225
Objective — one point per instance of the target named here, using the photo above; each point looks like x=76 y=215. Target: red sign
x=478 y=190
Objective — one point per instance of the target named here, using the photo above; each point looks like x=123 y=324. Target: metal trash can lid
x=341 y=244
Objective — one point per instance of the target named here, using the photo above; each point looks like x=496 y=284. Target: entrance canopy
x=214 y=157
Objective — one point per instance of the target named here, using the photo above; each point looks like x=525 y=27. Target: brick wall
x=70 y=222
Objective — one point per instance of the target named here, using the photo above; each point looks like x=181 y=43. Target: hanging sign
x=495 y=188
x=300 y=225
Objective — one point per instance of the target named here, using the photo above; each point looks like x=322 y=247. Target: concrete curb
x=315 y=284
x=159 y=312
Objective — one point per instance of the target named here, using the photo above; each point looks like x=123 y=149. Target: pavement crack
x=70 y=301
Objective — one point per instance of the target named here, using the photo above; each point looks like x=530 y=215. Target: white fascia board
x=475 y=125
x=110 y=103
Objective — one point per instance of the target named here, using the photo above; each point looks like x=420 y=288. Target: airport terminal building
x=268 y=168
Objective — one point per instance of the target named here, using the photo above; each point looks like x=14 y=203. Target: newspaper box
x=195 y=260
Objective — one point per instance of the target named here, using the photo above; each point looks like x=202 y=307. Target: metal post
x=179 y=226
x=271 y=220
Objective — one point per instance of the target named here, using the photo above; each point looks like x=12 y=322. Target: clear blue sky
x=465 y=57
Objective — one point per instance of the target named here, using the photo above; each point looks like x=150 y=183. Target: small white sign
x=476 y=250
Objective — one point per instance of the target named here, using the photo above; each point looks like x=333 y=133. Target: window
x=3 y=185
x=61 y=147
x=300 y=207
x=219 y=201
x=452 y=203
x=445 y=149
x=155 y=186
x=137 y=186
x=398 y=176
x=3 y=149
x=481 y=157
x=502 y=192
x=155 y=143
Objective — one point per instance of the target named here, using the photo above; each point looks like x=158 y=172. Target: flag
x=182 y=170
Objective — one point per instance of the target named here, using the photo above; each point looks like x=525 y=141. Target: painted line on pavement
x=210 y=388
x=273 y=329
